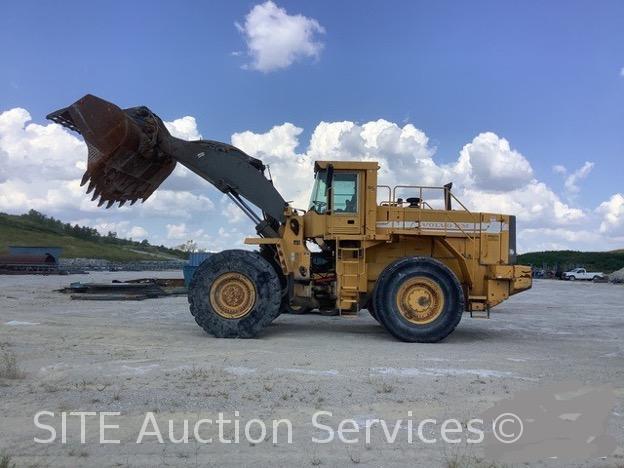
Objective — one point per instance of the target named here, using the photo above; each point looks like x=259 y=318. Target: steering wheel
x=319 y=205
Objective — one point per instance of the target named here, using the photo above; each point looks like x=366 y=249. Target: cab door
x=345 y=207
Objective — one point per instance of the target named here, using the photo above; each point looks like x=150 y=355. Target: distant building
x=30 y=260
x=55 y=252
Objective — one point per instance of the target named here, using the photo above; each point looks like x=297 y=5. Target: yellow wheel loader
x=416 y=262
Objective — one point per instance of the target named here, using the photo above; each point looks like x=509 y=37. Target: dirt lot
x=150 y=356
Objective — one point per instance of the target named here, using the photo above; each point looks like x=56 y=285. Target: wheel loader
x=415 y=257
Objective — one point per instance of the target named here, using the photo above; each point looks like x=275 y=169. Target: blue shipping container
x=195 y=259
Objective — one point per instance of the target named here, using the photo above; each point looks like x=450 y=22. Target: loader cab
x=341 y=198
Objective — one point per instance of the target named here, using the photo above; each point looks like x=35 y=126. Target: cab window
x=344 y=192
x=318 y=200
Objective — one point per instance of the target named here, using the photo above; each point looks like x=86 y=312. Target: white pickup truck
x=582 y=274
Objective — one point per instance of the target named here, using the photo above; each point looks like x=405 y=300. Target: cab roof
x=353 y=165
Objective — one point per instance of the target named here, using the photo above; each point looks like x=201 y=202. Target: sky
x=520 y=104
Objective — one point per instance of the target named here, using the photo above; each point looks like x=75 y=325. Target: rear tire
x=235 y=294
x=418 y=299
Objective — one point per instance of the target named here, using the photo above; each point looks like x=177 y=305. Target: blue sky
x=546 y=76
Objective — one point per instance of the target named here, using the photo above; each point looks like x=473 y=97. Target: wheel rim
x=232 y=295
x=420 y=300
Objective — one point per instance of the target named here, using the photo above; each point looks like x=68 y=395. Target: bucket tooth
x=122 y=203
x=96 y=194
x=91 y=187
x=85 y=178
x=110 y=203
x=101 y=202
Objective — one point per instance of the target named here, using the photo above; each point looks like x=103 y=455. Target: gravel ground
x=150 y=356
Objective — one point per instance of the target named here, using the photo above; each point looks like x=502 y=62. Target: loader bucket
x=125 y=162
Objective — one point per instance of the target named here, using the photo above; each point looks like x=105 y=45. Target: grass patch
x=9 y=368
x=459 y=460
x=196 y=373
x=5 y=461
x=386 y=388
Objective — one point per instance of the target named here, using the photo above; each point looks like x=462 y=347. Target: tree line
x=87 y=233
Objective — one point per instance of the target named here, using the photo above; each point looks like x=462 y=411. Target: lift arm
x=131 y=153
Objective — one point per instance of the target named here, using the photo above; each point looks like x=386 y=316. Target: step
x=477 y=298
x=480 y=314
x=348 y=313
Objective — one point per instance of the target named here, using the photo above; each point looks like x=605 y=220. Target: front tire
x=370 y=306
x=235 y=294
x=418 y=299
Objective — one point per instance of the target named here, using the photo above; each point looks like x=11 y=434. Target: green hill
x=35 y=228
x=564 y=260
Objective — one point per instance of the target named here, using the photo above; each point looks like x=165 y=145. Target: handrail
x=389 y=191
x=393 y=200
x=423 y=203
x=420 y=188
x=460 y=203
x=459 y=227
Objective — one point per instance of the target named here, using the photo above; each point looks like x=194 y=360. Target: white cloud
x=492 y=165
x=535 y=205
x=176 y=231
x=281 y=141
x=51 y=196
x=622 y=72
x=571 y=182
x=175 y=204
x=184 y=128
x=612 y=212
x=547 y=238
x=292 y=172
x=38 y=151
x=138 y=232
x=560 y=169
x=276 y=39
x=231 y=212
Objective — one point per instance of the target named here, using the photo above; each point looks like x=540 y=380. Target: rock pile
x=617 y=276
